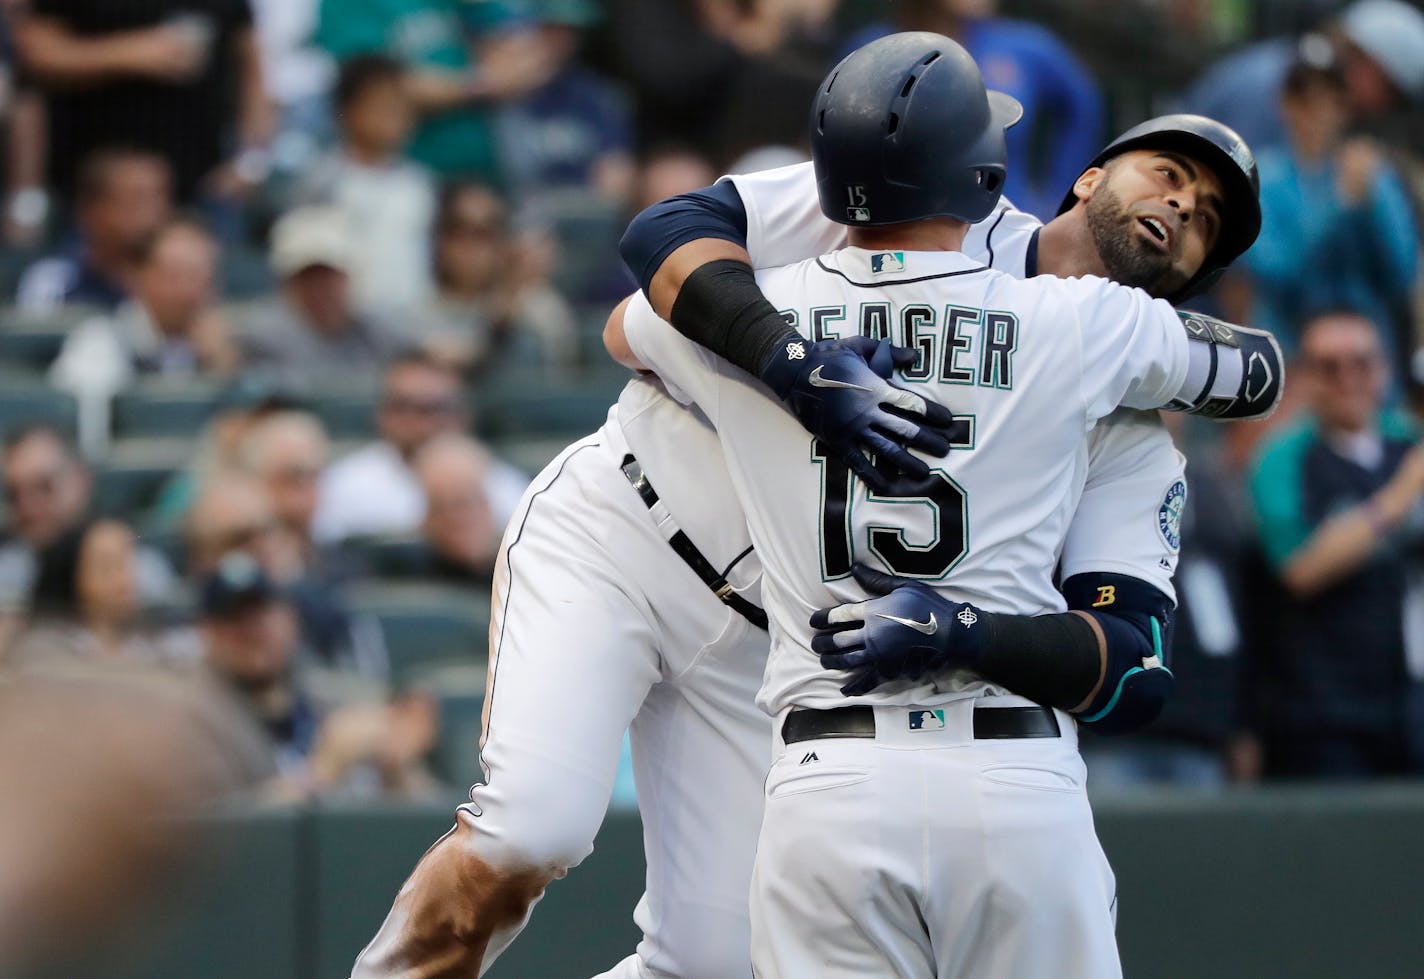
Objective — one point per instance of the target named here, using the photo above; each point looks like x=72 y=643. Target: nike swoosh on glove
x=840 y=391
x=908 y=631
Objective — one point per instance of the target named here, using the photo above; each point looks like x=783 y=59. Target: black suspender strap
x=685 y=549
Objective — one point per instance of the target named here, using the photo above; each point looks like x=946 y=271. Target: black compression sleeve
x=721 y=307
x=1051 y=659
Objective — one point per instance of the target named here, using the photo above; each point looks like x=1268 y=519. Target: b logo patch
x=1107 y=595
x=1169 y=514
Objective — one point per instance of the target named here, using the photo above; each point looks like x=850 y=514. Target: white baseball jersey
x=1128 y=521
x=1028 y=367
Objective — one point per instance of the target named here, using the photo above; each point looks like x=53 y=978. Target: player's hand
x=840 y=391
x=907 y=632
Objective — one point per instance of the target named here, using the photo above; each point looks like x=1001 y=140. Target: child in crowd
x=388 y=201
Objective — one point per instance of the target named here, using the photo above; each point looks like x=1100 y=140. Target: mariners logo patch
x=1169 y=514
x=882 y=262
x=926 y=720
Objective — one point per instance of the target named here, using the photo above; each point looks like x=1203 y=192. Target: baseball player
x=980 y=858
x=600 y=620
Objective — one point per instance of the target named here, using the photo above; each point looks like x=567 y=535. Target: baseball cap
x=236 y=584
x=1391 y=32
x=310 y=236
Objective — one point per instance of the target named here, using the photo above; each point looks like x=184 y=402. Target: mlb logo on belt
x=887 y=262
x=926 y=720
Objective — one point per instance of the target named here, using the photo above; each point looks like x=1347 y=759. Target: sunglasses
x=43 y=486
x=419 y=406
x=1342 y=366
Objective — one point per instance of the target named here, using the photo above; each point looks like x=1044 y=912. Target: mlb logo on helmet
x=887 y=262
x=926 y=720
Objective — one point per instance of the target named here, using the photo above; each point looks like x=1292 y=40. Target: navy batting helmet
x=902 y=129
x=1221 y=149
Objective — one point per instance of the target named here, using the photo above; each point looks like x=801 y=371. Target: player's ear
x=1087 y=182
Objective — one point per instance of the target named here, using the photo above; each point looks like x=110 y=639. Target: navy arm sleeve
x=659 y=230
x=1136 y=619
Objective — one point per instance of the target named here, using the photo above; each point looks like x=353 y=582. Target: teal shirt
x=1277 y=485
x=425 y=34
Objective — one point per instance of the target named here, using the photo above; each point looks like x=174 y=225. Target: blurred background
x=297 y=295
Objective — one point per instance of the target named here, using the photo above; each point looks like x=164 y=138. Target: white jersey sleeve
x=784 y=220
x=688 y=371
x=1135 y=350
x=1129 y=517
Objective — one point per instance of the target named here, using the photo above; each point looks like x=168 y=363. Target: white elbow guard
x=1233 y=372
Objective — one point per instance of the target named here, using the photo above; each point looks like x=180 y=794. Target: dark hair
x=414 y=356
x=1316 y=64
x=55 y=591
x=362 y=72
x=92 y=180
x=23 y=432
x=183 y=220
x=450 y=195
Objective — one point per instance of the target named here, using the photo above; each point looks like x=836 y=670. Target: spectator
x=671 y=169
x=182 y=78
x=1337 y=503
x=312 y=328
x=286 y=452
x=235 y=515
x=120 y=198
x=250 y=638
x=1337 y=226
x=388 y=202
x=84 y=605
x=1063 y=109
x=170 y=328
x=459 y=526
x=710 y=74
x=48 y=490
x=464 y=58
x=246 y=401
x=374 y=490
x=573 y=134
x=1380 y=44
x=494 y=298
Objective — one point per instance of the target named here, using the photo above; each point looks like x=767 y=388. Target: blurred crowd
x=298 y=293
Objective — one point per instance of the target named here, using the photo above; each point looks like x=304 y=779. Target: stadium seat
x=32 y=349
x=27 y=399
x=539 y=407
x=164 y=408
x=396 y=556
x=135 y=470
x=348 y=413
x=425 y=624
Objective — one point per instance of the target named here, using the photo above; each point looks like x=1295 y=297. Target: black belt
x=858 y=721
x=682 y=544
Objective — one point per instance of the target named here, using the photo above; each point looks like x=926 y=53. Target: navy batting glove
x=908 y=631
x=840 y=391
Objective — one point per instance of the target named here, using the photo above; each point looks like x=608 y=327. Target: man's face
x=136 y=198
x=45 y=488
x=458 y=521
x=1154 y=217
x=419 y=403
x=254 y=645
x=235 y=517
x=1342 y=363
x=176 y=282
x=322 y=295
x=290 y=473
